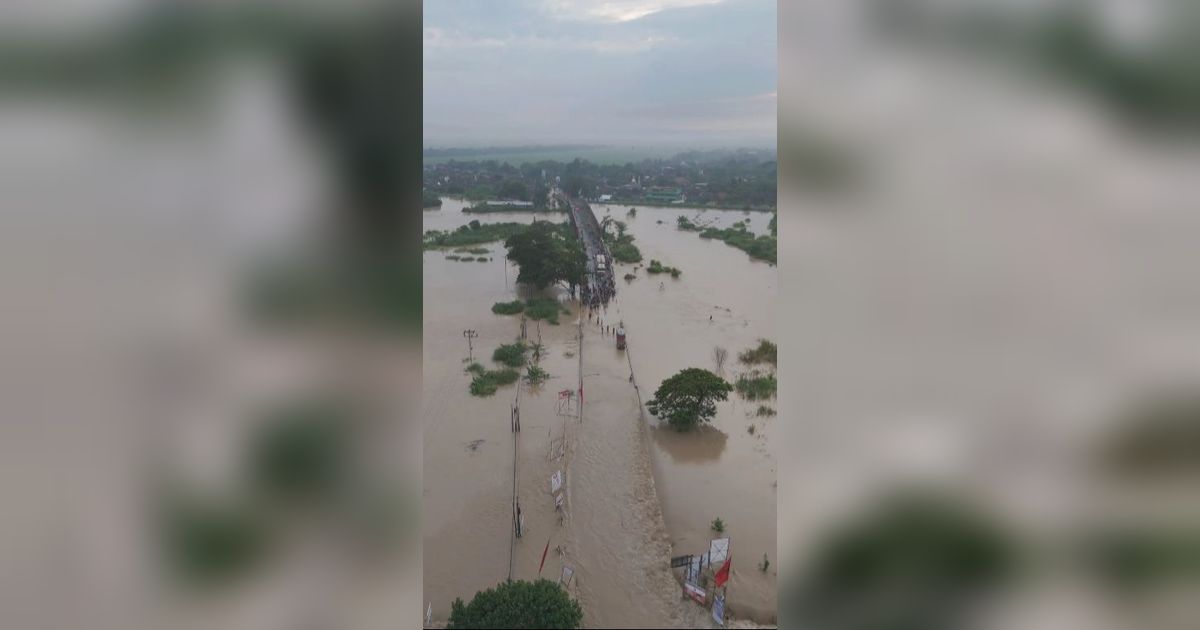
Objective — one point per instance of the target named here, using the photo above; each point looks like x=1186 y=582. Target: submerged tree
x=719 y=356
x=519 y=604
x=689 y=398
x=547 y=254
x=914 y=561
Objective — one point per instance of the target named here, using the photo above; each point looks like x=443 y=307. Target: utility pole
x=470 y=334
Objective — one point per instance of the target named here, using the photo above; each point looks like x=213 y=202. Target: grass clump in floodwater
x=541 y=309
x=623 y=250
x=508 y=308
x=758 y=247
x=208 y=542
x=512 y=354
x=535 y=375
x=471 y=250
x=764 y=411
x=718 y=526
x=474 y=233
x=486 y=382
x=657 y=267
x=756 y=386
x=686 y=224
x=946 y=556
x=620 y=245
x=765 y=352
x=544 y=309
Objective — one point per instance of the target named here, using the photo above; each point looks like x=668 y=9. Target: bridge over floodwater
x=599 y=286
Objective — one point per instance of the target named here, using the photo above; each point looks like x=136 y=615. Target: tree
x=689 y=398
x=519 y=604
x=546 y=254
x=540 y=196
x=719 y=356
x=943 y=555
x=514 y=189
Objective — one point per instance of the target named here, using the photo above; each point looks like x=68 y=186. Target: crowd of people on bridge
x=600 y=285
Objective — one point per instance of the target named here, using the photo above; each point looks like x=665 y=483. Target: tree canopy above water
x=689 y=398
x=547 y=253
x=519 y=604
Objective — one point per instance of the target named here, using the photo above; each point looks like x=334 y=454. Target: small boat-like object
x=621 y=336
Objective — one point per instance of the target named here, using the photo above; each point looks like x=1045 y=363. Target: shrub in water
x=512 y=355
x=508 y=308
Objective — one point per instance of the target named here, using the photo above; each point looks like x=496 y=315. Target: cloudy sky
x=694 y=73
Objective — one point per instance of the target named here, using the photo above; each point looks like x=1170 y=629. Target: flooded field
x=635 y=494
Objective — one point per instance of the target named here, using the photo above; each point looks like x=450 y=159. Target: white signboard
x=556 y=481
x=718 y=550
x=567 y=574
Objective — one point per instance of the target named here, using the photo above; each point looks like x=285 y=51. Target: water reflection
x=701 y=445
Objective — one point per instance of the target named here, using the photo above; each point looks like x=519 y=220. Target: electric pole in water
x=470 y=334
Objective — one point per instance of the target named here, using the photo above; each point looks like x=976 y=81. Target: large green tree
x=514 y=189
x=520 y=604
x=689 y=398
x=547 y=253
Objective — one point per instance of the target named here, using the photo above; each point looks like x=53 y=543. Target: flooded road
x=723 y=471
x=635 y=495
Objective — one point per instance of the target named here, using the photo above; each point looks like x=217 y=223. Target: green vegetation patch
x=689 y=398
x=620 y=244
x=518 y=604
x=206 y=543
x=508 y=308
x=944 y=555
x=545 y=309
x=302 y=451
x=686 y=224
x=758 y=247
x=625 y=252
x=512 y=354
x=756 y=386
x=547 y=253
x=765 y=352
x=536 y=375
x=1141 y=557
x=473 y=233
x=657 y=267
x=486 y=382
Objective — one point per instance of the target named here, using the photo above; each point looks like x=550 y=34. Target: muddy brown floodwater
x=634 y=494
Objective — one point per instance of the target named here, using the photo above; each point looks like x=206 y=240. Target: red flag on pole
x=722 y=575
x=544 y=556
